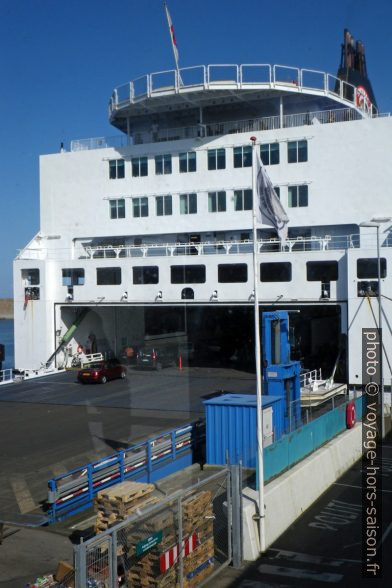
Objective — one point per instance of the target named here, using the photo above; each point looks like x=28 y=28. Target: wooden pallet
x=125 y=491
x=107 y=515
x=201 y=554
x=120 y=501
x=140 y=579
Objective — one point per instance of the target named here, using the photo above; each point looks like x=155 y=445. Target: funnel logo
x=362 y=98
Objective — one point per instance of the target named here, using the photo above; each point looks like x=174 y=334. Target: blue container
x=231 y=427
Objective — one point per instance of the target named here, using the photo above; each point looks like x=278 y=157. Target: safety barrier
x=291 y=448
x=148 y=461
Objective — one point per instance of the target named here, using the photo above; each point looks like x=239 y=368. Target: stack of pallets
x=159 y=567
x=120 y=501
x=198 y=516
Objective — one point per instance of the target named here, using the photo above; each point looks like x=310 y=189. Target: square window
x=297 y=151
x=216 y=159
x=243 y=200
x=139 y=166
x=163 y=205
x=269 y=153
x=217 y=201
x=73 y=277
x=117 y=208
x=188 y=203
x=116 y=169
x=322 y=271
x=367 y=267
x=146 y=275
x=163 y=164
x=187 y=162
x=140 y=207
x=108 y=276
x=242 y=156
x=298 y=196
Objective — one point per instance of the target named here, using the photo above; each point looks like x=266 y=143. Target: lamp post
x=375 y=223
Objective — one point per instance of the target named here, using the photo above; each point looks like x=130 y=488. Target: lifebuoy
x=79 y=348
x=350 y=415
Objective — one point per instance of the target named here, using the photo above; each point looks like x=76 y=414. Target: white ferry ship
x=149 y=234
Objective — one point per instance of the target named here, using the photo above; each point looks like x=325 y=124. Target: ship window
x=228 y=273
x=139 y=166
x=148 y=274
x=367 y=268
x=297 y=151
x=242 y=156
x=163 y=164
x=140 y=207
x=30 y=277
x=277 y=190
x=73 y=277
x=216 y=201
x=322 y=271
x=164 y=205
x=116 y=169
x=187 y=294
x=117 y=208
x=298 y=196
x=188 y=162
x=269 y=153
x=188 y=274
x=108 y=276
x=243 y=200
x=188 y=203
x=275 y=272
x=216 y=159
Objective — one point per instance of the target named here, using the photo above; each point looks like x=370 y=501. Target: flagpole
x=260 y=470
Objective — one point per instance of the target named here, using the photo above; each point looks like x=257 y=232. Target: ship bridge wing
x=193 y=95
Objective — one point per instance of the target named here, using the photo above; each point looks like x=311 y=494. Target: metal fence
x=183 y=540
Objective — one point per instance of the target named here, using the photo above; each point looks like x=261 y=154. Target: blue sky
x=61 y=60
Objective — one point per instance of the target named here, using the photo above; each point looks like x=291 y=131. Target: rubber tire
x=103 y=380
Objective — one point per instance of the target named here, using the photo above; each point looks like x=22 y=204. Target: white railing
x=309 y=378
x=99 y=143
x=232 y=247
x=213 y=129
x=237 y=77
x=6 y=376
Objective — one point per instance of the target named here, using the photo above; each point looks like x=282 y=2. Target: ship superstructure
x=149 y=233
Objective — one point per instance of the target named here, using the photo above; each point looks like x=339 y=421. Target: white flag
x=172 y=35
x=269 y=210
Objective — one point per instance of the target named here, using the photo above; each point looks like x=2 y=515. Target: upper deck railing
x=236 y=77
x=232 y=247
x=213 y=129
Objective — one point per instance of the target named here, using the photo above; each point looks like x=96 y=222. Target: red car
x=101 y=371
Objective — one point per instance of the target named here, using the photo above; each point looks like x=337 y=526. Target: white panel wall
x=349 y=171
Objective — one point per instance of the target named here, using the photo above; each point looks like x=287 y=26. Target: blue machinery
x=144 y=462
x=281 y=374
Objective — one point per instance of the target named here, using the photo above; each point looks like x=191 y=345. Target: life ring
x=350 y=415
x=79 y=348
